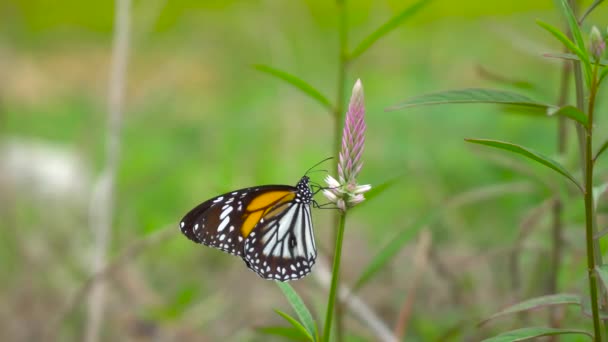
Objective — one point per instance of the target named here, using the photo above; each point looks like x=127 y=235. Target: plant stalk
x=334 y=278
x=338 y=120
x=590 y=212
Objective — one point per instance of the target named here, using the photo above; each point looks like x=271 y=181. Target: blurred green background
x=199 y=120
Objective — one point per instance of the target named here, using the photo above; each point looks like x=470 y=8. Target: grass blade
x=471 y=95
x=550 y=163
x=296 y=82
x=299 y=307
x=573 y=113
x=297 y=325
x=525 y=334
x=386 y=28
x=286 y=332
x=535 y=303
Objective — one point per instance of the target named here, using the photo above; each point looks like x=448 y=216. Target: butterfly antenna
x=317 y=164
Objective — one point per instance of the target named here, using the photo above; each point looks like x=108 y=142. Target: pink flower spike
x=345 y=192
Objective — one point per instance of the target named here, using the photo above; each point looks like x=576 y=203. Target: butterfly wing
x=225 y=221
x=282 y=245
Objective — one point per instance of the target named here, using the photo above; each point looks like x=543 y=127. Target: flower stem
x=338 y=120
x=589 y=212
x=334 y=278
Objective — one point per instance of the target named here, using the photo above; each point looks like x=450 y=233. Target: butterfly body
x=269 y=227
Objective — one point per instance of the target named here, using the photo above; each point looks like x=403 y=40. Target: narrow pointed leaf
x=534 y=303
x=572 y=57
x=573 y=113
x=296 y=82
x=386 y=28
x=550 y=163
x=573 y=25
x=601 y=150
x=582 y=55
x=299 y=307
x=286 y=332
x=472 y=95
x=563 y=39
x=526 y=334
x=297 y=325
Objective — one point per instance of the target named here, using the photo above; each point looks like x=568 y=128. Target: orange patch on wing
x=263 y=205
x=270 y=198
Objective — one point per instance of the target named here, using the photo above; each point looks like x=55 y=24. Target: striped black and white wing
x=282 y=247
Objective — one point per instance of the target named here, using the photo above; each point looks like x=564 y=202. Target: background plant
x=199 y=121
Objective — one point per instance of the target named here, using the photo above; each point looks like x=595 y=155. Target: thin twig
x=102 y=201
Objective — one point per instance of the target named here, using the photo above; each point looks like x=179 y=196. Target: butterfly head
x=304 y=193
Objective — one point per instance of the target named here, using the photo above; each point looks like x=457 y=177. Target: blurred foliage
x=200 y=120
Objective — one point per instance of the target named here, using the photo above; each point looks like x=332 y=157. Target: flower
x=344 y=191
x=598 y=44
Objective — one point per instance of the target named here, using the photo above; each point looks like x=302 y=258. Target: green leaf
x=296 y=82
x=572 y=57
x=550 y=163
x=573 y=25
x=297 y=325
x=582 y=55
x=602 y=271
x=299 y=307
x=525 y=334
x=534 y=303
x=286 y=332
x=573 y=113
x=472 y=95
x=387 y=27
x=392 y=248
x=601 y=150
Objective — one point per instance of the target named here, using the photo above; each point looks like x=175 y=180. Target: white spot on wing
x=223 y=224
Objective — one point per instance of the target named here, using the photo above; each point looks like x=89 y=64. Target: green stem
x=589 y=213
x=334 y=278
x=338 y=119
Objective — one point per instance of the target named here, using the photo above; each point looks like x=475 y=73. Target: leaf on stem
x=534 y=303
x=286 y=332
x=297 y=325
x=386 y=28
x=601 y=150
x=525 y=334
x=572 y=57
x=300 y=308
x=573 y=113
x=582 y=54
x=296 y=82
x=550 y=163
x=472 y=95
x=573 y=25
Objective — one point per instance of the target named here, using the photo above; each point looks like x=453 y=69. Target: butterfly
x=269 y=227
